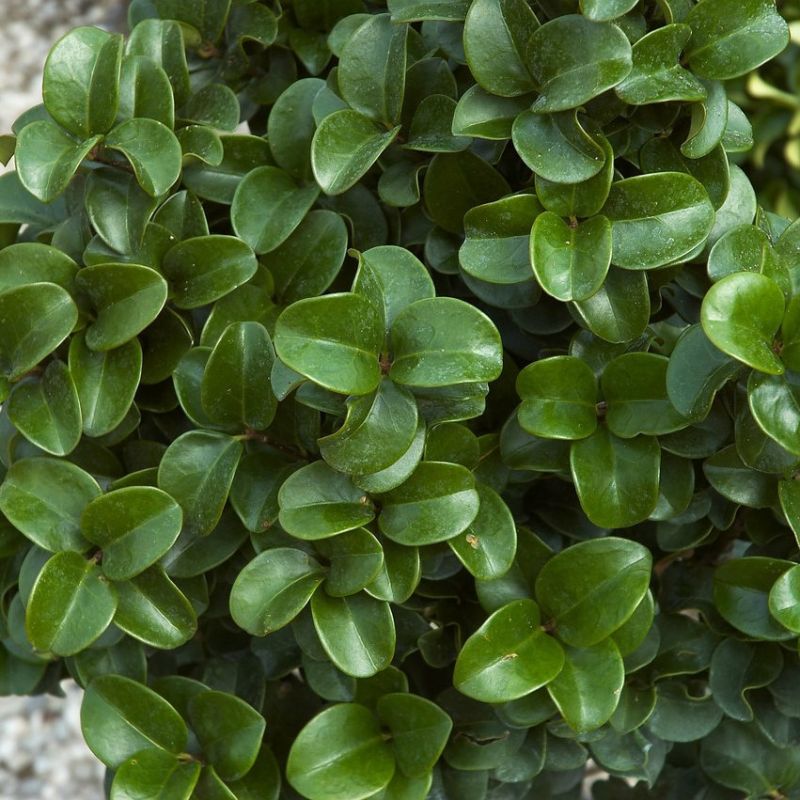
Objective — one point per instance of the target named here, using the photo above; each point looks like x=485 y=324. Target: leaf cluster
x=401 y=400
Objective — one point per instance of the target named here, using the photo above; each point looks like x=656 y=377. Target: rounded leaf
x=616 y=479
x=120 y=717
x=70 y=606
x=340 y=755
x=437 y=502
x=134 y=527
x=333 y=340
x=741 y=315
x=590 y=589
x=509 y=656
x=273 y=588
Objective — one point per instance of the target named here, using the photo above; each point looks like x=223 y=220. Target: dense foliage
x=401 y=399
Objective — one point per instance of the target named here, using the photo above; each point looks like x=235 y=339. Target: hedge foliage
x=401 y=399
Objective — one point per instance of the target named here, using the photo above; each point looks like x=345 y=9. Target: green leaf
x=291 y=126
x=267 y=206
x=155 y=774
x=340 y=755
x=161 y=41
x=153 y=610
x=496 y=40
x=444 y=341
x=620 y=310
x=616 y=479
x=587 y=689
x=431 y=129
x=559 y=398
x=203 y=269
x=570 y=261
x=214 y=105
x=604 y=10
x=44 y=499
x=346 y=144
x=145 y=91
x=509 y=656
x=46 y=410
x=126 y=299
x=741 y=315
x=106 y=383
x=317 y=502
x=728 y=474
x=37 y=317
x=392 y=278
x=399 y=575
x=118 y=209
x=697 y=370
x=415 y=10
x=134 y=527
x=679 y=716
x=656 y=219
x=742 y=594
x=730 y=38
x=378 y=429
x=583 y=199
x=46 y=159
x=309 y=260
x=657 y=77
x=263 y=782
x=495 y=249
x=784 y=599
x=236 y=387
x=357 y=632
x=354 y=560
x=80 y=87
x=488 y=545
x=436 y=503
x=742 y=757
x=229 y=731
x=120 y=717
x=775 y=403
x=487 y=116
x=455 y=183
x=273 y=588
x=419 y=730
x=573 y=60
x=70 y=606
x=372 y=69
x=197 y=470
x=557 y=146
x=152 y=150
x=19 y=206
x=709 y=119
x=333 y=340
x=592 y=588
x=635 y=391
x=31 y=262
x=788 y=493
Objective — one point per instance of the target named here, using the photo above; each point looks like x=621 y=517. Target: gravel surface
x=42 y=753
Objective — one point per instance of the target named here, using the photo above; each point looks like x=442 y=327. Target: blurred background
x=42 y=753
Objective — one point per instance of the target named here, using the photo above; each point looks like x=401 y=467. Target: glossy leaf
x=592 y=588
x=741 y=315
x=356 y=632
x=340 y=755
x=273 y=588
x=70 y=606
x=334 y=341
x=509 y=656
x=120 y=717
x=616 y=479
x=134 y=527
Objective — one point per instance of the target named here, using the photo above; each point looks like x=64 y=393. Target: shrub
x=433 y=433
